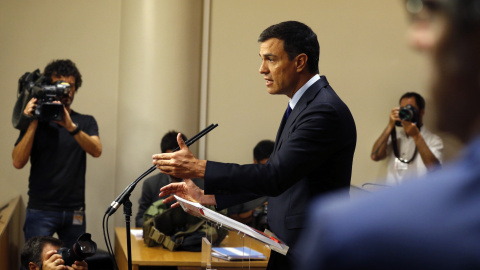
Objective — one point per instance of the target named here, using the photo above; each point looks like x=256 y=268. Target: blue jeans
x=46 y=223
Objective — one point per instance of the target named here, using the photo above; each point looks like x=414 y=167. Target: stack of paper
x=237 y=253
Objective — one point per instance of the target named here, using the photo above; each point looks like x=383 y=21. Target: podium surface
x=143 y=256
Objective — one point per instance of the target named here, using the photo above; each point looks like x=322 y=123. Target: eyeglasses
x=424 y=10
x=416 y=6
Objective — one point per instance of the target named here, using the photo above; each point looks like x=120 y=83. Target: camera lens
x=405 y=114
x=83 y=248
x=408 y=113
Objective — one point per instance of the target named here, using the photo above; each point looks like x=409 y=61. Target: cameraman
x=413 y=139
x=57 y=152
x=40 y=252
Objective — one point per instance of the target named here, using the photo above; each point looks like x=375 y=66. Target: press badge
x=78 y=217
x=400 y=166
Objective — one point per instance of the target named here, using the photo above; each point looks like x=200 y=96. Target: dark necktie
x=289 y=110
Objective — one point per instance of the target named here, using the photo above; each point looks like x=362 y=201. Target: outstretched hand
x=186 y=190
x=181 y=164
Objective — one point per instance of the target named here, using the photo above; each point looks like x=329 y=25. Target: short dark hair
x=33 y=248
x=418 y=99
x=65 y=68
x=297 y=38
x=169 y=141
x=263 y=150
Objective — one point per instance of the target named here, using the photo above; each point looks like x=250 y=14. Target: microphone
x=115 y=204
x=126 y=192
x=119 y=200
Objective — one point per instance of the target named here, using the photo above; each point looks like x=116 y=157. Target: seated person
x=254 y=212
x=151 y=186
x=40 y=252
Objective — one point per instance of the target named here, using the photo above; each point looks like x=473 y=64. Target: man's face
x=411 y=101
x=279 y=72
x=427 y=23
x=67 y=101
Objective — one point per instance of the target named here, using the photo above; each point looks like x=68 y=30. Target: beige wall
x=159 y=82
x=141 y=66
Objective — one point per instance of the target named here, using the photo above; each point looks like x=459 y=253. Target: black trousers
x=278 y=261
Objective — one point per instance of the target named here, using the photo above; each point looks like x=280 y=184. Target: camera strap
x=393 y=134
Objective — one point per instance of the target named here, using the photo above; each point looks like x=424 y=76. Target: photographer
x=412 y=139
x=40 y=252
x=57 y=152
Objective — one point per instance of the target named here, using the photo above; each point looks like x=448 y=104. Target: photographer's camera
x=407 y=113
x=46 y=93
x=46 y=109
x=83 y=248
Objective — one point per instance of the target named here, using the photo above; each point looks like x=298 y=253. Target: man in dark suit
x=313 y=151
x=432 y=223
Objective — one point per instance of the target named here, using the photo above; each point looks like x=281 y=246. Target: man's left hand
x=66 y=121
x=186 y=190
x=411 y=129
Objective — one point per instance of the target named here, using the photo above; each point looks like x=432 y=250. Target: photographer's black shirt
x=58 y=165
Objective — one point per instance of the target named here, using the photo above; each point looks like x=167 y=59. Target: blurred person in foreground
x=40 y=253
x=428 y=224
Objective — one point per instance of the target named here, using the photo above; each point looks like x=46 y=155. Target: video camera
x=407 y=113
x=83 y=248
x=41 y=87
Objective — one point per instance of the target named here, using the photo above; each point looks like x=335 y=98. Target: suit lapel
x=280 y=129
x=302 y=104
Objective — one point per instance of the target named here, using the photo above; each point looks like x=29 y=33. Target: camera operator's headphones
x=393 y=134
